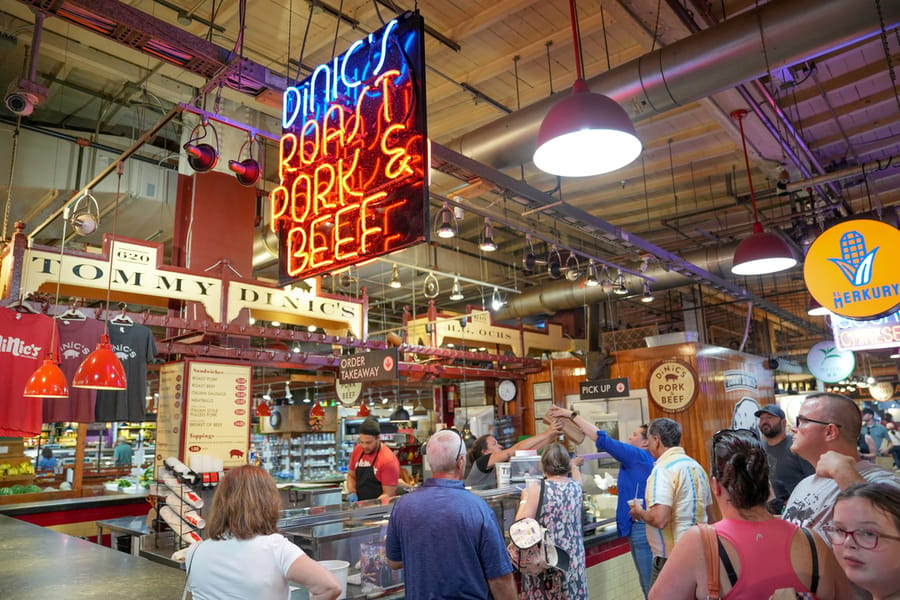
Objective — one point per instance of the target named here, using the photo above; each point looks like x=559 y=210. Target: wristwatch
x=573 y=415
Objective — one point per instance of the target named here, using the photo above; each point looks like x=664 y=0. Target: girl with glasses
x=865 y=533
x=758 y=553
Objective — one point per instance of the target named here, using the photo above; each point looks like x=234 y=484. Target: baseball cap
x=772 y=409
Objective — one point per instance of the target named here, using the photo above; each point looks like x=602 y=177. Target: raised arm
x=535 y=442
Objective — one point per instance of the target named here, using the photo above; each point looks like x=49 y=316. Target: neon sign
x=353 y=155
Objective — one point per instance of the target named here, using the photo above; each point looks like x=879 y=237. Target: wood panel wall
x=714 y=407
x=711 y=411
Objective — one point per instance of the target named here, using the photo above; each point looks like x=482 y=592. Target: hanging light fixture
x=815 y=309
x=554 y=263
x=246 y=171
x=395 y=277
x=287 y=392
x=591 y=280
x=201 y=156
x=586 y=133
x=647 y=296
x=486 y=241
x=456 y=291
x=762 y=252
x=102 y=369
x=268 y=395
x=619 y=285
x=573 y=269
x=529 y=259
x=48 y=380
x=448 y=226
x=496 y=301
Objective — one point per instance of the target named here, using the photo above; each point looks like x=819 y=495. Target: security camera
x=23 y=95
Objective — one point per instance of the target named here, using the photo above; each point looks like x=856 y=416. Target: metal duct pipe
x=710 y=61
x=564 y=295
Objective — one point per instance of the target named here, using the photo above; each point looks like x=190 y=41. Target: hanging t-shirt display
x=24 y=339
x=136 y=348
x=77 y=339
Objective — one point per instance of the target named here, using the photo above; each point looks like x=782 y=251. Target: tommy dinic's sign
x=137 y=270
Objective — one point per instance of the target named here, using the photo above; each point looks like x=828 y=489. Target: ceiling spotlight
x=647 y=296
x=619 y=285
x=311 y=328
x=573 y=269
x=592 y=280
x=529 y=259
x=248 y=170
x=496 y=301
x=395 y=277
x=85 y=219
x=287 y=391
x=251 y=321
x=201 y=156
x=554 y=263
x=306 y=398
x=275 y=323
x=487 y=243
x=296 y=349
x=183 y=18
x=448 y=223
x=456 y=290
x=268 y=395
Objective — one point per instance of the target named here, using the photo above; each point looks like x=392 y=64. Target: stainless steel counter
x=40 y=563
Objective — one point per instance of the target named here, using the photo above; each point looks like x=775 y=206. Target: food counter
x=40 y=563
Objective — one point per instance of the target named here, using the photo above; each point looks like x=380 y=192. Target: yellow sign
x=852 y=269
x=672 y=385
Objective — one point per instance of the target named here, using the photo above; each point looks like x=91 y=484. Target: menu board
x=170 y=412
x=217 y=412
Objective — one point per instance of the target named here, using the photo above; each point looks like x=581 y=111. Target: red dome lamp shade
x=586 y=133
x=101 y=370
x=48 y=381
x=762 y=252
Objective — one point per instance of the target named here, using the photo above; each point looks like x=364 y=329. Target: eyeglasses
x=462 y=448
x=801 y=419
x=866 y=540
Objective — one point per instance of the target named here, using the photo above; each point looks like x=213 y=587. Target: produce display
x=23 y=468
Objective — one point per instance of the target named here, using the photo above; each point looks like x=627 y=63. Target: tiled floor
x=614 y=579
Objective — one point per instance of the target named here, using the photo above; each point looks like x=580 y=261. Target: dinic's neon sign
x=352 y=156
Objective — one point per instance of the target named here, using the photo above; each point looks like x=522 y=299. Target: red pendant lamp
x=102 y=369
x=48 y=381
x=762 y=252
x=586 y=133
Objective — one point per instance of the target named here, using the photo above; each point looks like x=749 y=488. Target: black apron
x=367 y=486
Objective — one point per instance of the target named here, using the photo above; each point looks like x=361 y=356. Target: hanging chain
x=887 y=50
x=9 y=186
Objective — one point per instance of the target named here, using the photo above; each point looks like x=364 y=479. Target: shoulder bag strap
x=709 y=537
x=537 y=513
x=814 y=584
x=726 y=563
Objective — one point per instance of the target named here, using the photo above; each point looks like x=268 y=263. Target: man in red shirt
x=374 y=469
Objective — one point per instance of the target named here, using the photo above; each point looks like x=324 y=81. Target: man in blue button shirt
x=445 y=538
x=635 y=465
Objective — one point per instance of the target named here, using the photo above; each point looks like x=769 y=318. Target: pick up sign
x=378 y=365
x=604 y=388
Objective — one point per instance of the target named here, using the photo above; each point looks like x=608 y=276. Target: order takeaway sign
x=852 y=269
x=672 y=385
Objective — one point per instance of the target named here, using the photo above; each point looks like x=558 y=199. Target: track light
x=592 y=280
x=554 y=263
x=201 y=156
x=496 y=301
x=573 y=269
x=248 y=170
x=647 y=296
x=619 y=285
x=395 y=277
x=448 y=223
x=487 y=243
x=456 y=290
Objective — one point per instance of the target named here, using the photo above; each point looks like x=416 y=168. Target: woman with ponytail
x=758 y=554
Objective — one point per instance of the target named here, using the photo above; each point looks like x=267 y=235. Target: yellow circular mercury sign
x=672 y=385
x=853 y=269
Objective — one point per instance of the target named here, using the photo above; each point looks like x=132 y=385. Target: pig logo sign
x=672 y=385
